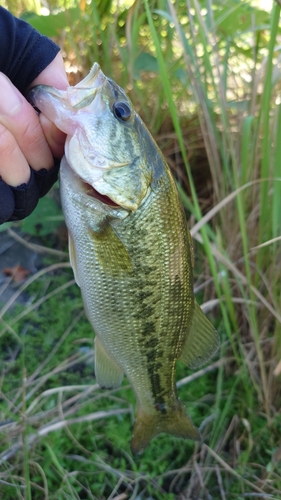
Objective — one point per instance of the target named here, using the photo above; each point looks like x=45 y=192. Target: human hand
x=27 y=140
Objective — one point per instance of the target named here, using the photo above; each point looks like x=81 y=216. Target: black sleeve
x=24 y=53
x=16 y=203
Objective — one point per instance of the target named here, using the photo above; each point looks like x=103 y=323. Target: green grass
x=49 y=376
x=204 y=76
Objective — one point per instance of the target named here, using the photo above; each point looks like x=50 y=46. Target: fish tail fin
x=173 y=420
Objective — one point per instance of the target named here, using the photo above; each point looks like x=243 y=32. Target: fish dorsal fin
x=108 y=374
x=72 y=257
x=202 y=341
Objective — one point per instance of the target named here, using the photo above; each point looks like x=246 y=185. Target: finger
x=18 y=116
x=54 y=136
x=54 y=74
x=14 y=168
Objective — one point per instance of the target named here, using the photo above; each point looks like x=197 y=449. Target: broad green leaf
x=53 y=24
x=146 y=62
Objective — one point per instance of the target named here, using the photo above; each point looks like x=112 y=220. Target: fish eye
x=122 y=111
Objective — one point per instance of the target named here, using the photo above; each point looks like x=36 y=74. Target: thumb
x=54 y=74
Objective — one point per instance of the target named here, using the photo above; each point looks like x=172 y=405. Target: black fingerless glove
x=16 y=203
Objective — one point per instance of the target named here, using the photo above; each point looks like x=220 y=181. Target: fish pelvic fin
x=174 y=421
x=202 y=341
x=72 y=257
x=108 y=374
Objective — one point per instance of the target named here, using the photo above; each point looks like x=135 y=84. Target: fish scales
x=130 y=250
x=141 y=304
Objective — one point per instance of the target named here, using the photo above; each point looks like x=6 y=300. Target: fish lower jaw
x=93 y=193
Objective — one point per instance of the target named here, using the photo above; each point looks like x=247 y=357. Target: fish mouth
x=93 y=193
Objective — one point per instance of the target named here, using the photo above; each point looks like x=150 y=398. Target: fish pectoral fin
x=108 y=374
x=110 y=251
x=175 y=422
x=72 y=257
x=202 y=341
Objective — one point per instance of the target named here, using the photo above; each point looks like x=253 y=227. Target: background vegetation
x=205 y=76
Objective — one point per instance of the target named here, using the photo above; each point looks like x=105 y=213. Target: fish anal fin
x=72 y=257
x=202 y=341
x=175 y=421
x=108 y=374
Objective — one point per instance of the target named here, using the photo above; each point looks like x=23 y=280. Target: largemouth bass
x=130 y=250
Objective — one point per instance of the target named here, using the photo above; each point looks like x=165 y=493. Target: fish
x=131 y=251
